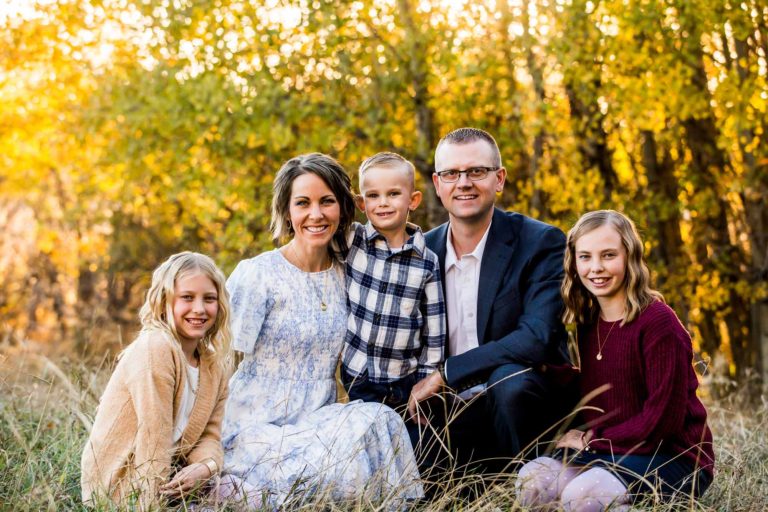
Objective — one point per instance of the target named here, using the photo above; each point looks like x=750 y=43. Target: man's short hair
x=390 y=160
x=468 y=135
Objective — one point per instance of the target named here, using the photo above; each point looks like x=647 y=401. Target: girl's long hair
x=157 y=311
x=580 y=305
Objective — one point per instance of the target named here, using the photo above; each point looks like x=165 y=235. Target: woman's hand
x=575 y=440
x=186 y=480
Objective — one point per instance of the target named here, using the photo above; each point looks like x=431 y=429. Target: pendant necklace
x=321 y=293
x=601 y=344
x=318 y=292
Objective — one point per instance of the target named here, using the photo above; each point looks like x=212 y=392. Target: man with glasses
x=502 y=274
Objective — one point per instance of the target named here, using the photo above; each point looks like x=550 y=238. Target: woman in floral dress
x=283 y=429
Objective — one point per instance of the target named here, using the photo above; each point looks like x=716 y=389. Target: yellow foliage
x=174 y=143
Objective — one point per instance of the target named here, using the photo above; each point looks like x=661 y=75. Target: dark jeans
x=394 y=394
x=643 y=475
x=491 y=433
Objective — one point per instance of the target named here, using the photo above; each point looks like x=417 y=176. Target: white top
x=462 y=280
x=187 y=402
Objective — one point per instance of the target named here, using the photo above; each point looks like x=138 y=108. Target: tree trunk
x=756 y=214
x=85 y=307
x=426 y=140
x=711 y=244
x=664 y=215
x=517 y=160
x=537 y=203
x=712 y=247
x=583 y=83
x=760 y=335
x=45 y=286
x=593 y=139
x=119 y=294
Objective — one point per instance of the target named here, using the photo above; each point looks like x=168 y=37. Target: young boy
x=396 y=323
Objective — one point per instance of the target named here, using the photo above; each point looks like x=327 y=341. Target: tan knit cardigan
x=130 y=449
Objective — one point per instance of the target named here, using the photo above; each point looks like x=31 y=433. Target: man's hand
x=574 y=439
x=186 y=480
x=425 y=388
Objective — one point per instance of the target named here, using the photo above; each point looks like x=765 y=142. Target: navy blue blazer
x=518 y=299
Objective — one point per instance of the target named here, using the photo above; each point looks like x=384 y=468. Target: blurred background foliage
x=133 y=129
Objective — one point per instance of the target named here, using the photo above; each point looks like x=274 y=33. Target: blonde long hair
x=580 y=305
x=157 y=311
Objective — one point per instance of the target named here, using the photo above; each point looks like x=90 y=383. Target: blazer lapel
x=496 y=257
x=440 y=249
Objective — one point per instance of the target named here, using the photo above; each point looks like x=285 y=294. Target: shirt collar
x=450 y=253
x=414 y=241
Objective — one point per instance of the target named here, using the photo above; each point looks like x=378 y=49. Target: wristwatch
x=441 y=371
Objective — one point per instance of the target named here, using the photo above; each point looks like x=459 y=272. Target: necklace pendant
x=323 y=306
x=599 y=357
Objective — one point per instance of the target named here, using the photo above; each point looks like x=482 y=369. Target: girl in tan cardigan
x=157 y=432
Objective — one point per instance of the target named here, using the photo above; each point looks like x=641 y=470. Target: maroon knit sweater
x=651 y=406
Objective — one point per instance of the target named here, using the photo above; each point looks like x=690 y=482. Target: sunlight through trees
x=133 y=129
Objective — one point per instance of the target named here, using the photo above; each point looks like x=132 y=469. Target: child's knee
x=536 y=482
x=594 y=491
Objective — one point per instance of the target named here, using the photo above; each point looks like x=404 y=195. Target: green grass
x=41 y=436
x=45 y=408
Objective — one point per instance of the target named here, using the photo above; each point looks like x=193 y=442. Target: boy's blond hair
x=390 y=160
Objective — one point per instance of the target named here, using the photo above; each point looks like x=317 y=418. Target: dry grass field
x=46 y=407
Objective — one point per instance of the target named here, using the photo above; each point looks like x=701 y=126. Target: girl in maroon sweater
x=645 y=431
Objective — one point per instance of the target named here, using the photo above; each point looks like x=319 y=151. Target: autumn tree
x=131 y=130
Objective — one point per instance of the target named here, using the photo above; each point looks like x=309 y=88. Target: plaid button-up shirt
x=396 y=322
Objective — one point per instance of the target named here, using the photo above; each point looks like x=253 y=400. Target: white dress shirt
x=462 y=280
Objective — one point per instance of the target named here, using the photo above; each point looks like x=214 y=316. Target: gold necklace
x=601 y=344
x=319 y=293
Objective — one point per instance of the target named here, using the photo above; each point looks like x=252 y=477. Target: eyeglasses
x=473 y=173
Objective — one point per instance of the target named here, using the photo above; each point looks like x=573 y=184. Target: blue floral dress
x=283 y=429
